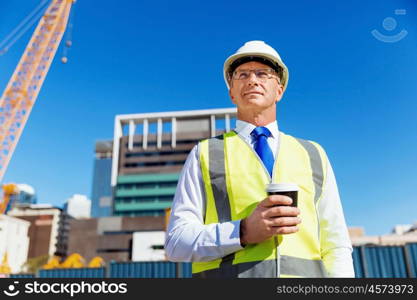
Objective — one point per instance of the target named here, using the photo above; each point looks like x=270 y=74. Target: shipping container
x=73 y=273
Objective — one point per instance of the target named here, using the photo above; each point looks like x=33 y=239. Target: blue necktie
x=260 y=135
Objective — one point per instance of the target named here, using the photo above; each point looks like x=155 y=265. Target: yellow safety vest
x=235 y=181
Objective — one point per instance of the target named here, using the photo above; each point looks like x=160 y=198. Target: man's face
x=253 y=93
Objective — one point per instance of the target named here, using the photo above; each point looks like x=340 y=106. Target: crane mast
x=23 y=88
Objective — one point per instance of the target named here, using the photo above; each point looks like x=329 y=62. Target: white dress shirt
x=188 y=239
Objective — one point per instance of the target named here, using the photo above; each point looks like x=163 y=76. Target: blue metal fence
x=73 y=273
x=22 y=275
x=186 y=270
x=411 y=259
x=384 y=262
x=368 y=261
x=357 y=262
x=159 y=269
x=143 y=270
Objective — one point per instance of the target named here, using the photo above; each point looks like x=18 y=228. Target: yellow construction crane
x=23 y=88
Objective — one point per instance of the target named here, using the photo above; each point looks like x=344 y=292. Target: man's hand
x=272 y=216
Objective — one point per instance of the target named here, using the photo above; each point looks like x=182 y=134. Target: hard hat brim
x=231 y=59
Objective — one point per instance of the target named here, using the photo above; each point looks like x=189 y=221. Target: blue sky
x=349 y=91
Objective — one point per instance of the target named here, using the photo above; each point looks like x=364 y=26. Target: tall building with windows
x=25 y=196
x=101 y=195
x=149 y=151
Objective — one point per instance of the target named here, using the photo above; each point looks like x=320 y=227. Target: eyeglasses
x=261 y=74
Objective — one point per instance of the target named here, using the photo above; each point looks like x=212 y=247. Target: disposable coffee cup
x=286 y=189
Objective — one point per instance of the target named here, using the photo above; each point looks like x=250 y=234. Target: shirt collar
x=244 y=129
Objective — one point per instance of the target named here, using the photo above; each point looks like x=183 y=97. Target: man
x=222 y=219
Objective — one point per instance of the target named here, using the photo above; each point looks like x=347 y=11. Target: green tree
x=32 y=265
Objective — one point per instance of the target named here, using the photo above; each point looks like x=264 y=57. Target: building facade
x=111 y=238
x=149 y=151
x=48 y=231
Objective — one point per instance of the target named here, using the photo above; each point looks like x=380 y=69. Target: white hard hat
x=256 y=51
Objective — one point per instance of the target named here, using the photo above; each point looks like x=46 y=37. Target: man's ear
x=280 y=92
x=232 y=97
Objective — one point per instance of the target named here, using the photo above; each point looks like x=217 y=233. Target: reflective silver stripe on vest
x=316 y=166
x=256 y=269
x=217 y=177
x=217 y=173
x=292 y=266
x=301 y=267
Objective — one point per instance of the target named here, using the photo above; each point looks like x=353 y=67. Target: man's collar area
x=244 y=128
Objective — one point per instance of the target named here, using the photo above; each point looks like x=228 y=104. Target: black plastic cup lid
x=282 y=187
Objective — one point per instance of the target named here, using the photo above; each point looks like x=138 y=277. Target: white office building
x=14 y=241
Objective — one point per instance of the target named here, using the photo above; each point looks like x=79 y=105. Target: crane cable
x=68 y=37
x=23 y=26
